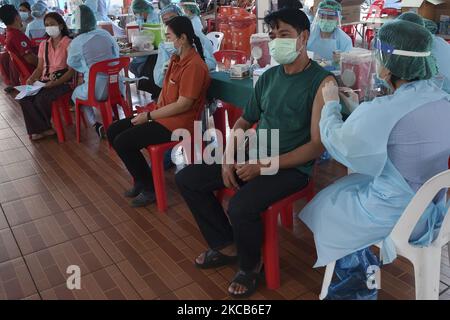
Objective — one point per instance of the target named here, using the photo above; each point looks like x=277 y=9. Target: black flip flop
x=250 y=280
x=215 y=259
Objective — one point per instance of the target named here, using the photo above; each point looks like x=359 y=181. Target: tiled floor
x=61 y=205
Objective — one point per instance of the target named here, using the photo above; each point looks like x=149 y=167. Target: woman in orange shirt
x=184 y=89
x=53 y=70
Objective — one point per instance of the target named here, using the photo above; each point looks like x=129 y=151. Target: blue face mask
x=170 y=48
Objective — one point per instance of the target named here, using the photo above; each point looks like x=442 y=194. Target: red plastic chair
x=112 y=69
x=351 y=32
x=230 y=57
x=270 y=222
x=370 y=34
x=24 y=72
x=391 y=12
x=220 y=118
x=375 y=9
x=157 y=152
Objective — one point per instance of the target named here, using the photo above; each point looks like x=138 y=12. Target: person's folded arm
x=313 y=148
x=182 y=105
x=31 y=58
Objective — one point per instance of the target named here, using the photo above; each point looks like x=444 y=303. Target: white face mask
x=53 y=31
x=24 y=15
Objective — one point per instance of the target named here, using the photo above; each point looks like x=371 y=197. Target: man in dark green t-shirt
x=287 y=100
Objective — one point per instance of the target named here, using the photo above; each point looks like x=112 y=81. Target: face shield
x=326 y=20
x=383 y=54
x=190 y=8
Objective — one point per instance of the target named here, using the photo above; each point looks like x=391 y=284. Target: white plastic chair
x=216 y=39
x=426 y=260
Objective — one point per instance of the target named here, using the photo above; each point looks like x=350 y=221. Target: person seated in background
x=440 y=49
x=166 y=50
x=287 y=100
x=53 y=70
x=25 y=14
x=16 y=41
x=144 y=12
x=185 y=85
x=100 y=9
x=191 y=10
x=91 y=46
x=326 y=35
x=393 y=145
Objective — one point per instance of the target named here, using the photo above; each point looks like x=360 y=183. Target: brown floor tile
x=102 y=214
x=6 y=133
x=34 y=207
x=191 y=292
x=14 y=155
x=125 y=241
x=3 y=222
x=104 y=284
x=10 y=143
x=48 y=267
x=15 y=280
x=24 y=187
x=49 y=231
x=33 y=297
x=19 y=170
x=8 y=246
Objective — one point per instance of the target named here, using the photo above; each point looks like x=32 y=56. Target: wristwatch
x=149 y=117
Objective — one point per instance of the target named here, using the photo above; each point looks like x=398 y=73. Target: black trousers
x=128 y=140
x=37 y=109
x=244 y=224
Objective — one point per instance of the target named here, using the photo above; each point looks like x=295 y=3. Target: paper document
x=125 y=79
x=29 y=90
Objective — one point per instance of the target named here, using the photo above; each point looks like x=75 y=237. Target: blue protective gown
x=85 y=50
x=361 y=209
x=441 y=51
x=36 y=28
x=325 y=47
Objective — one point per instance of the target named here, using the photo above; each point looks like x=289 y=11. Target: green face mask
x=284 y=51
x=327 y=25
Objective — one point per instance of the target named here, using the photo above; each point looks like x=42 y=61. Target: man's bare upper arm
x=317 y=110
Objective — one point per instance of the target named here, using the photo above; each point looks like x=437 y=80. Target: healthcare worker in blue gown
x=144 y=12
x=326 y=35
x=36 y=28
x=91 y=45
x=440 y=50
x=100 y=9
x=393 y=144
x=166 y=49
x=191 y=10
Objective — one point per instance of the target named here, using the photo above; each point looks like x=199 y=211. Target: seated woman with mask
x=393 y=144
x=185 y=85
x=326 y=35
x=166 y=50
x=52 y=68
